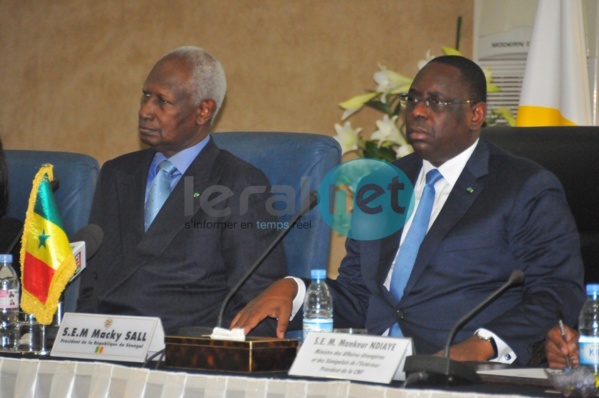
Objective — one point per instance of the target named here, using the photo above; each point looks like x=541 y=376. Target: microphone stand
x=193 y=349
x=308 y=205
x=443 y=370
x=14 y=242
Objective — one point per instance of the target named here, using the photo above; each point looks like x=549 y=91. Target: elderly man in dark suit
x=492 y=213
x=178 y=222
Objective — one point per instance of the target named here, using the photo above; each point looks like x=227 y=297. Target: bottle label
x=9 y=298
x=589 y=350
x=317 y=325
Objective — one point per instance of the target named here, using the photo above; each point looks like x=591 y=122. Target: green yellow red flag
x=47 y=262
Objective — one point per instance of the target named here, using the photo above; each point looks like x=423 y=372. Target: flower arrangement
x=388 y=142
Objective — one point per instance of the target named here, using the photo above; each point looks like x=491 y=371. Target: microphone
x=308 y=205
x=443 y=370
x=55 y=184
x=194 y=347
x=85 y=243
x=92 y=235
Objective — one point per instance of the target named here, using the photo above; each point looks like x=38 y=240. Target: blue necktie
x=159 y=191
x=409 y=250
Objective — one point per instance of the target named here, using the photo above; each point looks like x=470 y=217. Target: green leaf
x=397 y=109
x=385 y=153
x=379 y=106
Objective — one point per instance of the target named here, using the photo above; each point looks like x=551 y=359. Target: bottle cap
x=593 y=289
x=6 y=258
x=319 y=274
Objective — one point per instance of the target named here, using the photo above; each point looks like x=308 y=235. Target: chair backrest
x=298 y=161
x=76 y=174
x=572 y=154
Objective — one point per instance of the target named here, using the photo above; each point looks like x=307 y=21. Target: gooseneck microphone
x=84 y=244
x=92 y=235
x=308 y=205
x=438 y=370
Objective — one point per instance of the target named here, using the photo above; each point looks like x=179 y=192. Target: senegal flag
x=47 y=262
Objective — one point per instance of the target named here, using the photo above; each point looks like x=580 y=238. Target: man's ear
x=205 y=110
x=479 y=115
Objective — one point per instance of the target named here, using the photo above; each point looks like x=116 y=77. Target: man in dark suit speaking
x=179 y=231
x=489 y=213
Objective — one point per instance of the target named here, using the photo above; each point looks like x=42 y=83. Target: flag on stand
x=47 y=262
x=555 y=90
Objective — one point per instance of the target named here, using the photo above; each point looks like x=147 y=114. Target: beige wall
x=71 y=70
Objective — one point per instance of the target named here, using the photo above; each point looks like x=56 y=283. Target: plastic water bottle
x=588 y=326
x=318 y=304
x=9 y=301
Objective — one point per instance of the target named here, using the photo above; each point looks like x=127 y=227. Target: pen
x=562 y=330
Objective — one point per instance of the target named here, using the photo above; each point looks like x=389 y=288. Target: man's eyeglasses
x=435 y=105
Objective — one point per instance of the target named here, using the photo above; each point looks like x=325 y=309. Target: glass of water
x=30 y=336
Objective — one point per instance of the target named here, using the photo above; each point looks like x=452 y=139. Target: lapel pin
x=196 y=195
x=469 y=189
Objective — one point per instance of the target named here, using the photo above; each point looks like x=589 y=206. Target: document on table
x=527 y=373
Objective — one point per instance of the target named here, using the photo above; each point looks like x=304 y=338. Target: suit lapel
x=172 y=217
x=133 y=189
x=130 y=187
x=467 y=188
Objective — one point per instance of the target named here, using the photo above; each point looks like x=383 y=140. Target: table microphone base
x=440 y=370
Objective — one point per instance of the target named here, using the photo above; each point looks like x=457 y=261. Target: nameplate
x=108 y=337
x=367 y=358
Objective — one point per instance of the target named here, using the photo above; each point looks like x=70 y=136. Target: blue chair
x=299 y=161
x=76 y=174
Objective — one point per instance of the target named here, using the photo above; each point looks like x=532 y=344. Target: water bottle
x=9 y=301
x=318 y=304
x=588 y=327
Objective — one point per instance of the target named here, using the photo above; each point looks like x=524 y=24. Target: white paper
x=236 y=334
x=529 y=373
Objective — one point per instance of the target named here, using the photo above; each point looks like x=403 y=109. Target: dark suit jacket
x=515 y=218
x=182 y=268
x=11 y=230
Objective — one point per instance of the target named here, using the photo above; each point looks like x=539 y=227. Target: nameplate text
x=353 y=357
x=108 y=337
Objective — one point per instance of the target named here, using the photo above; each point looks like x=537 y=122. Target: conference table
x=23 y=377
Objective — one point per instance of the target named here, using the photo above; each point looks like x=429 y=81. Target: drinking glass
x=30 y=335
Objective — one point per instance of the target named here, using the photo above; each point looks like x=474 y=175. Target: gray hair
x=208 y=75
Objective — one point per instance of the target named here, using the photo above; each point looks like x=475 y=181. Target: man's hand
x=557 y=350
x=473 y=349
x=275 y=302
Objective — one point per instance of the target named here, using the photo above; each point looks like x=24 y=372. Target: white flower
x=426 y=59
x=347 y=137
x=429 y=55
x=389 y=82
x=388 y=131
x=403 y=150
